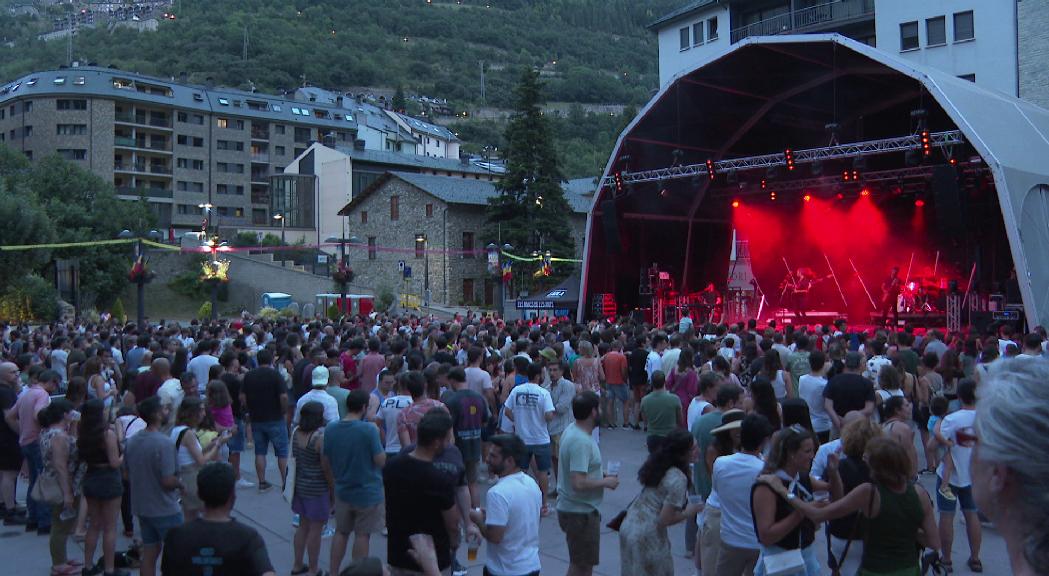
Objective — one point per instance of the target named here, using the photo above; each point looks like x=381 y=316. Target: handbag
x=288 y=491
x=617 y=520
x=836 y=563
x=47 y=490
x=786 y=561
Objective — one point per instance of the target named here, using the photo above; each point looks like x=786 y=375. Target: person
x=530 y=407
x=660 y=410
x=810 y=389
x=215 y=543
x=849 y=391
x=890 y=292
x=422 y=498
x=191 y=454
x=778 y=527
x=1010 y=480
x=234 y=382
x=684 y=381
x=509 y=522
x=265 y=395
x=408 y=419
x=877 y=361
x=899 y=513
x=581 y=485
x=469 y=412
x=173 y=390
x=614 y=364
x=311 y=499
x=354 y=454
x=22 y=418
x=665 y=479
x=59 y=458
x=637 y=363
x=727 y=400
x=319 y=394
x=152 y=469
x=797 y=364
x=390 y=410
x=846 y=534
x=587 y=371
x=98 y=384
x=370 y=366
x=102 y=485
x=10 y=453
x=763 y=401
x=738 y=547
x=956 y=429
x=896 y=421
x=204 y=357
x=337 y=389
x=704 y=402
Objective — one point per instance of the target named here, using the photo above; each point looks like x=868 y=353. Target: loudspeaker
x=610 y=221
x=949 y=209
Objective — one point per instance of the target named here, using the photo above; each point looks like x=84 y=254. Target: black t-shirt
x=8 y=437
x=444 y=357
x=232 y=382
x=636 y=367
x=262 y=389
x=849 y=392
x=299 y=383
x=469 y=412
x=853 y=473
x=416 y=495
x=449 y=462
x=200 y=547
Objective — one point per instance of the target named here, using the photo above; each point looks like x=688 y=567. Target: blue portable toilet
x=278 y=300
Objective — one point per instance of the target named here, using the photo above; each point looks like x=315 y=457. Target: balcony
x=260 y=134
x=258 y=177
x=260 y=197
x=260 y=158
x=808 y=19
x=143 y=120
x=141 y=167
x=141 y=144
x=145 y=192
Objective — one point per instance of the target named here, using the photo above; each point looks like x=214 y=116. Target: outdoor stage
x=814 y=165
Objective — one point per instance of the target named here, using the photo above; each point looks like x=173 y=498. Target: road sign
x=407 y=271
x=400 y=265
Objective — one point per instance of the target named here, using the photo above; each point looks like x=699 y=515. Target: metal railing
x=264 y=158
x=125 y=142
x=258 y=134
x=145 y=192
x=143 y=120
x=805 y=18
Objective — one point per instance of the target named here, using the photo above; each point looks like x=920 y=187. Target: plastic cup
x=821 y=496
x=695 y=499
x=471 y=551
x=613 y=467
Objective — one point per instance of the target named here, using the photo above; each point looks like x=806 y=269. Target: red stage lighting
x=865 y=192
x=764 y=183
x=618 y=177
x=710 y=168
x=772 y=195
x=926 y=143
x=789 y=156
x=841 y=196
x=735 y=203
x=807 y=197
x=919 y=203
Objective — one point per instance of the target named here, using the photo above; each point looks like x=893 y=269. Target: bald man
x=10 y=454
x=147 y=383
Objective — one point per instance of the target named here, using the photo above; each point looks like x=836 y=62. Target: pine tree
x=531 y=212
x=399 y=103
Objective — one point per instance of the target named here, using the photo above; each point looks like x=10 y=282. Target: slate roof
x=680 y=12
x=428 y=128
x=390 y=158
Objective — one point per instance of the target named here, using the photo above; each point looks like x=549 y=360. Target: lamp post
x=343 y=277
x=139 y=274
x=283 y=225
x=426 y=268
x=216 y=272
x=495 y=262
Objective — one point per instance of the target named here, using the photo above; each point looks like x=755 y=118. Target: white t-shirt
x=529 y=403
x=200 y=366
x=819 y=463
x=962 y=455
x=810 y=389
x=727 y=353
x=732 y=477
x=331 y=406
x=695 y=410
x=514 y=502
x=478 y=380
x=874 y=366
x=170 y=393
x=58 y=363
x=388 y=411
x=779 y=385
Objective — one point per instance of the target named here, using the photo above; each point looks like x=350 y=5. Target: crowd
x=444 y=435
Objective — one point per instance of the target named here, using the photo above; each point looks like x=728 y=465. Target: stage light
x=919 y=203
x=735 y=203
x=772 y=195
x=710 y=168
x=807 y=197
x=618 y=177
x=865 y=192
x=664 y=193
x=764 y=184
x=953 y=161
x=850 y=175
x=926 y=143
x=789 y=156
x=840 y=196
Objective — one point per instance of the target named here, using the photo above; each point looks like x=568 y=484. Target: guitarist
x=890 y=292
x=803 y=282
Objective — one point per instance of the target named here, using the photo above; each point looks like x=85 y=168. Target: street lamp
x=216 y=272
x=283 y=225
x=497 y=269
x=343 y=271
x=139 y=275
x=206 y=207
x=426 y=268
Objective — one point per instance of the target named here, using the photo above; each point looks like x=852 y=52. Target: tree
x=530 y=210
x=398 y=103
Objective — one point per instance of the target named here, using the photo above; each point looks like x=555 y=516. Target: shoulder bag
x=47 y=490
x=617 y=521
x=784 y=562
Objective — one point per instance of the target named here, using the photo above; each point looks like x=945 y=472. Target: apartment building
x=177 y=145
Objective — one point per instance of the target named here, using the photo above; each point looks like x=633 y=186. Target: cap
x=319 y=377
x=549 y=354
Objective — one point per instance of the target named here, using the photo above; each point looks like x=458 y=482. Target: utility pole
x=482 y=81
x=244 y=51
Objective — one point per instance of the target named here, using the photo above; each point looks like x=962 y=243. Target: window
x=184 y=186
x=229 y=145
x=184 y=140
x=468 y=245
x=182 y=117
x=79 y=81
x=189 y=164
x=279 y=150
x=908 y=36
x=364 y=216
x=936 y=31
x=222 y=122
x=190 y=209
x=59 y=81
x=429 y=210
x=72 y=153
x=65 y=104
x=963 y=26
x=229 y=167
x=31 y=82
x=420 y=246
x=395 y=207
x=278 y=128
x=712 y=29
x=969 y=77
x=224 y=101
x=697 y=33
x=372 y=248
x=684 y=38
x=27 y=131
x=27 y=107
x=468 y=290
x=197 y=119
x=303 y=134
x=71 y=129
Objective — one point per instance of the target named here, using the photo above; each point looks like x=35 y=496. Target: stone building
x=434 y=224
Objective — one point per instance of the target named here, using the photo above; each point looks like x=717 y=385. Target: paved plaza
x=27 y=554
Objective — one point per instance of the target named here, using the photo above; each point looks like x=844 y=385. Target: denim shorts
x=617 y=392
x=266 y=433
x=154 y=528
x=236 y=442
x=963 y=496
x=543 y=455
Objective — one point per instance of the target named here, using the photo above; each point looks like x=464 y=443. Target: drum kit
x=920 y=295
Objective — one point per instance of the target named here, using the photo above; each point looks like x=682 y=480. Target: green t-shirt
x=340 y=395
x=660 y=409
x=701 y=431
x=798 y=367
x=578 y=453
x=909 y=359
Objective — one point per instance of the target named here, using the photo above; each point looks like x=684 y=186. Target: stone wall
x=1033 y=55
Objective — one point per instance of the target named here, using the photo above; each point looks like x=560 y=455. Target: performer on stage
x=890 y=293
x=803 y=282
x=711 y=299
